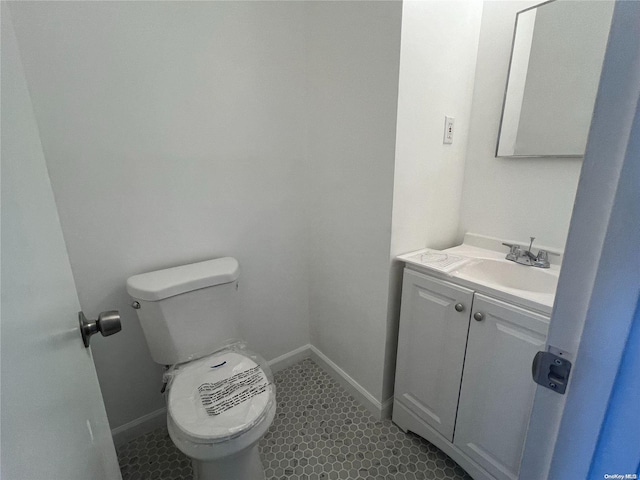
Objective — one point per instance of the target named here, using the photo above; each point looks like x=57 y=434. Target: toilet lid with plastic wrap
x=221 y=395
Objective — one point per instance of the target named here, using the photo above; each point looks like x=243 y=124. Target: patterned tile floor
x=319 y=433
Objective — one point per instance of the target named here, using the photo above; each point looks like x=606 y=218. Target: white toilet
x=220 y=396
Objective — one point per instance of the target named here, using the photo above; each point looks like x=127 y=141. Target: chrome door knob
x=478 y=316
x=107 y=324
x=459 y=307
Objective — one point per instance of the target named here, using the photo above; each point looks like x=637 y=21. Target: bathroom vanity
x=467 y=337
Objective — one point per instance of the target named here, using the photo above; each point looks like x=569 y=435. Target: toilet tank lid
x=154 y=286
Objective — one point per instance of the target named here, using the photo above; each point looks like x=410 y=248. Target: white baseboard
x=290 y=358
x=379 y=410
x=145 y=424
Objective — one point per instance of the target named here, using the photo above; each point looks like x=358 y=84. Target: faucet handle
x=546 y=253
x=513 y=246
x=514 y=251
x=542 y=255
x=542 y=259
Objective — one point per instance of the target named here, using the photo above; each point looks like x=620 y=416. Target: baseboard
x=145 y=424
x=379 y=410
x=290 y=358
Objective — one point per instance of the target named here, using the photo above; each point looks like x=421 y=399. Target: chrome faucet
x=526 y=257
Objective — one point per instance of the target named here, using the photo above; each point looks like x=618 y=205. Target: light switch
x=448 y=129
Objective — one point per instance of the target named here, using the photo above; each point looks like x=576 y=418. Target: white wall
x=437 y=66
x=510 y=198
x=174 y=132
x=266 y=131
x=353 y=50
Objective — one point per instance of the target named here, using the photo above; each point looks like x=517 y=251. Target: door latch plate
x=551 y=371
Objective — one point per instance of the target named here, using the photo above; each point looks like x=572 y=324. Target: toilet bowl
x=218 y=409
x=220 y=396
x=236 y=459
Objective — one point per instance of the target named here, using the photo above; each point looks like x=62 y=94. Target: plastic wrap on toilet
x=221 y=395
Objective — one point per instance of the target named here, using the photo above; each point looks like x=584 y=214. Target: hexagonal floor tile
x=320 y=432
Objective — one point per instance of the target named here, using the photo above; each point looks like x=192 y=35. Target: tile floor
x=319 y=433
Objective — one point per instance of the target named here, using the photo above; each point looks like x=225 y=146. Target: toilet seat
x=220 y=396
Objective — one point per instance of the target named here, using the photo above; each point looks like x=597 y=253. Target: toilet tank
x=188 y=311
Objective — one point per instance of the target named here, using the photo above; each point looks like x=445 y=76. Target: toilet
x=220 y=396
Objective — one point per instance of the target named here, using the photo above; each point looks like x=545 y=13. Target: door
x=497 y=391
x=54 y=425
x=600 y=278
x=434 y=320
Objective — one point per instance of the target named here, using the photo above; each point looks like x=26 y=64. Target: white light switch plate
x=448 y=130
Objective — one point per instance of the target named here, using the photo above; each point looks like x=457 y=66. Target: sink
x=505 y=274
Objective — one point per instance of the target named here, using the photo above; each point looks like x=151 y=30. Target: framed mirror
x=556 y=59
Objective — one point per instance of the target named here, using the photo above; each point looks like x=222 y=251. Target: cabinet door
x=431 y=344
x=497 y=389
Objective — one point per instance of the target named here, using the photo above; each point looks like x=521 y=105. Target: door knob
x=459 y=307
x=107 y=324
x=478 y=316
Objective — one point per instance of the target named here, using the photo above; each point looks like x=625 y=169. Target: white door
x=434 y=321
x=497 y=391
x=600 y=277
x=54 y=425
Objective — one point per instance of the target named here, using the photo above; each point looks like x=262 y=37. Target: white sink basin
x=506 y=274
x=487 y=272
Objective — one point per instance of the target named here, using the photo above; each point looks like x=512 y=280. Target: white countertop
x=471 y=261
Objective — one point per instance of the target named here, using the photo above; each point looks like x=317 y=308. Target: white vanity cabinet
x=497 y=389
x=432 y=336
x=463 y=378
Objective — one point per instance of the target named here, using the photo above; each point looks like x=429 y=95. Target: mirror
x=556 y=59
